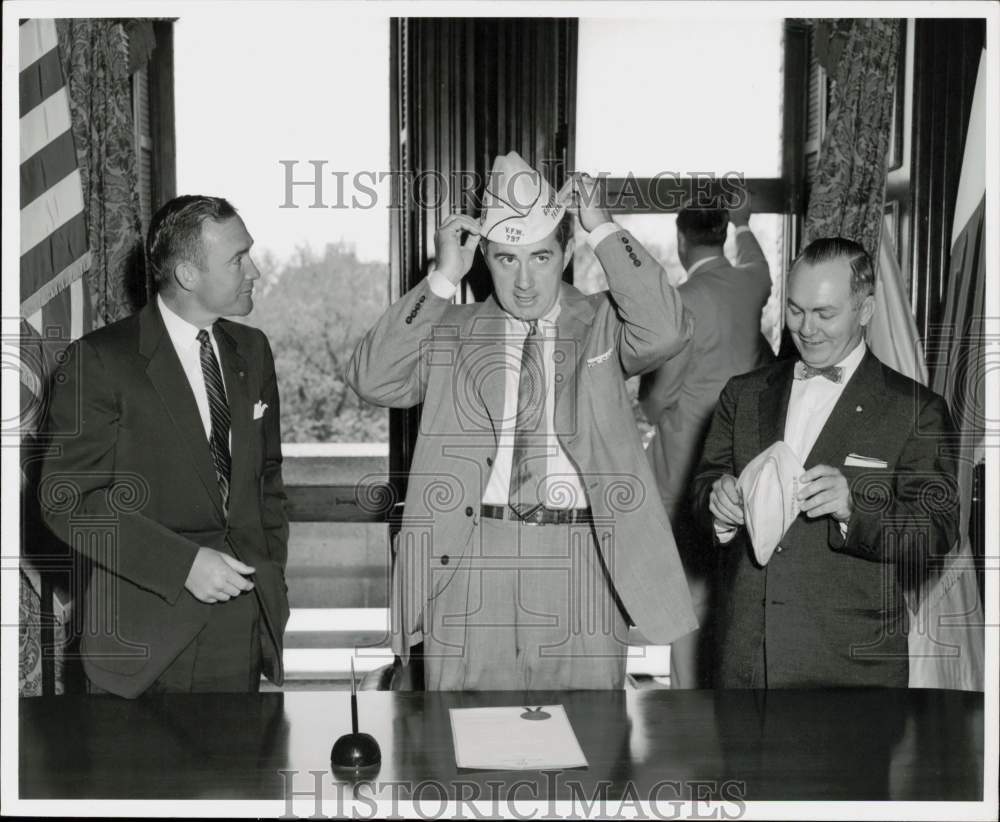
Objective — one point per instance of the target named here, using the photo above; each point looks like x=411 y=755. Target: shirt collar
x=702 y=262
x=549 y=318
x=180 y=330
x=851 y=362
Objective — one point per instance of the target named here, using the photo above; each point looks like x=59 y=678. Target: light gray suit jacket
x=679 y=397
x=451 y=358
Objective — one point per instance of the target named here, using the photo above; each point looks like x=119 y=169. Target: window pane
x=264 y=88
x=679 y=95
x=658 y=235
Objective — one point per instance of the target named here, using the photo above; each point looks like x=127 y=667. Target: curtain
x=95 y=56
x=847 y=196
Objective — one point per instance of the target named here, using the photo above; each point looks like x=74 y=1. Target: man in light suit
x=726 y=301
x=878 y=494
x=164 y=470
x=532 y=534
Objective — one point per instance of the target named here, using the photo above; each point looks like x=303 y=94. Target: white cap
x=519 y=205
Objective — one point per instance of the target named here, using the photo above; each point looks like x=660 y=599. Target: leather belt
x=540 y=516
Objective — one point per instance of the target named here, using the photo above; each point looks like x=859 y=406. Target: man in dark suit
x=164 y=470
x=726 y=301
x=877 y=496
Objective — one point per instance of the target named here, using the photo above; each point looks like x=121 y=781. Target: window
x=684 y=100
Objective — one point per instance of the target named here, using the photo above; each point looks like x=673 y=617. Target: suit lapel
x=857 y=406
x=234 y=373
x=485 y=359
x=772 y=405
x=167 y=376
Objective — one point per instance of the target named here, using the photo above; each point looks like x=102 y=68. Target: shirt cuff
x=604 y=230
x=440 y=285
x=843 y=528
x=724 y=533
x=740 y=229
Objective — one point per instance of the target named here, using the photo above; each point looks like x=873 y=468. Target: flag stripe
x=47 y=167
x=76 y=309
x=53 y=255
x=44 y=123
x=46 y=214
x=35 y=38
x=40 y=80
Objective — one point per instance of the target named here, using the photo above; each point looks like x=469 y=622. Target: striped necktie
x=528 y=460
x=218 y=442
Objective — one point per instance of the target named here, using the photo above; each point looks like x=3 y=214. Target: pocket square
x=858 y=461
x=259 y=409
x=592 y=361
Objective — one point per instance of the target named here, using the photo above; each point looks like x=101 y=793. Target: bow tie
x=834 y=373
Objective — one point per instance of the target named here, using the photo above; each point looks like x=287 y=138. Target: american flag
x=55 y=305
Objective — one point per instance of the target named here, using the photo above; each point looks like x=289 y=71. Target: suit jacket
x=128 y=481
x=451 y=358
x=828 y=608
x=679 y=397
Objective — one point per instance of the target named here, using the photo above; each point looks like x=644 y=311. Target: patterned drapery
x=848 y=195
x=95 y=56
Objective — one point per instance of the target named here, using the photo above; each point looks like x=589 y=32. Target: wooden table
x=776 y=745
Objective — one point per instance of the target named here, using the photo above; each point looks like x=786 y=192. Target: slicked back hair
x=703 y=226
x=175 y=233
x=829 y=249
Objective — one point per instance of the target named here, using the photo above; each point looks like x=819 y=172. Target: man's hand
x=217 y=577
x=582 y=195
x=824 y=490
x=740 y=214
x=726 y=502
x=453 y=256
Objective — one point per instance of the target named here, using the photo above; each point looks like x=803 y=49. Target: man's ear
x=186 y=275
x=568 y=251
x=867 y=309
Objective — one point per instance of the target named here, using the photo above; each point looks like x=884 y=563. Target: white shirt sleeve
x=440 y=285
x=740 y=229
x=724 y=533
x=595 y=237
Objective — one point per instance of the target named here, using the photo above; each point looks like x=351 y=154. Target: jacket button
x=489 y=461
x=468 y=511
x=409 y=320
x=444 y=559
x=628 y=248
x=636 y=263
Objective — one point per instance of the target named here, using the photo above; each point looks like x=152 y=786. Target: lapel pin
x=241 y=377
x=859 y=409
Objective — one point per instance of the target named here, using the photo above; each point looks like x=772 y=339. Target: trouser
x=529 y=607
x=225 y=656
x=692 y=656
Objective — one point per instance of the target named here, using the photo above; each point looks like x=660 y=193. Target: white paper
x=501 y=739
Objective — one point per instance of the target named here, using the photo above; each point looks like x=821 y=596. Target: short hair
x=175 y=233
x=829 y=249
x=703 y=226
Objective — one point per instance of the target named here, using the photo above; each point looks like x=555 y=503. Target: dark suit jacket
x=828 y=610
x=128 y=481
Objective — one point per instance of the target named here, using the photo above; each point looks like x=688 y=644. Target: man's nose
x=807 y=326
x=252 y=273
x=523 y=280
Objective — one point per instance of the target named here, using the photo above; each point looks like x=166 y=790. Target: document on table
x=526 y=738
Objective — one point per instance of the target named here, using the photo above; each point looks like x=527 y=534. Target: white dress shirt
x=809 y=407
x=811 y=403
x=565 y=488
x=184 y=337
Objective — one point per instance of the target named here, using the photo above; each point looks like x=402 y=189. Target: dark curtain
x=848 y=194
x=95 y=56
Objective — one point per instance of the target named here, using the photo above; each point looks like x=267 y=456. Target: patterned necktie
x=528 y=461
x=218 y=442
x=834 y=373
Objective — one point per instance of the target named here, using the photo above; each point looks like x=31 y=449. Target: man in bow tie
x=878 y=496
x=533 y=534
x=164 y=470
